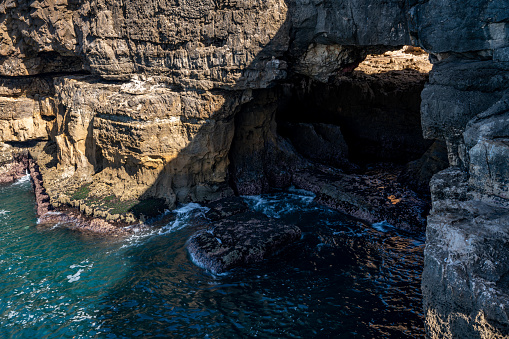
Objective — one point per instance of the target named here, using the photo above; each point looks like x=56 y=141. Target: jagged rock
x=21 y=120
x=456 y=93
x=465 y=285
x=474 y=28
x=75 y=221
x=240 y=240
x=418 y=173
x=374 y=196
x=142 y=139
x=225 y=208
x=13 y=164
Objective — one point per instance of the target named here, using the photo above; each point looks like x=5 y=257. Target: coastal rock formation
x=465 y=104
x=140 y=105
x=242 y=239
x=13 y=164
x=374 y=196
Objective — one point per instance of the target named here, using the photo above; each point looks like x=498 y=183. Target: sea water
x=343 y=279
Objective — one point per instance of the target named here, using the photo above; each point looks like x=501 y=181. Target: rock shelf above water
x=242 y=239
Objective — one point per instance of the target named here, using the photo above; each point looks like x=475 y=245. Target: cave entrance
x=355 y=140
x=370 y=115
x=376 y=106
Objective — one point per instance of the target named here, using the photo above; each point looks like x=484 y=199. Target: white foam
x=278 y=206
x=190 y=208
x=24 y=179
x=83 y=264
x=12 y=314
x=51 y=213
x=4 y=212
x=76 y=276
x=300 y=191
x=254 y=200
x=184 y=213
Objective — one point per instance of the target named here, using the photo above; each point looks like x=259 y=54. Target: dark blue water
x=344 y=279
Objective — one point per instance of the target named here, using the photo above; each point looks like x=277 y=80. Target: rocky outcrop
x=13 y=164
x=374 y=196
x=242 y=239
x=141 y=139
x=170 y=102
x=465 y=281
x=158 y=70
x=377 y=107
x=465 y=103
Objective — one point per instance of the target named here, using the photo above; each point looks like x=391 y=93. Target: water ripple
x=342 y=279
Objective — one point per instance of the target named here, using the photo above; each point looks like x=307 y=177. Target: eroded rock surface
x=13 y=164
x=240 y=240
x=465 y=104
x=374 y=196
x=179 y=101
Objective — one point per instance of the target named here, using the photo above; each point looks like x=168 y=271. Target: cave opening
x=366 y=117
x=355 y=140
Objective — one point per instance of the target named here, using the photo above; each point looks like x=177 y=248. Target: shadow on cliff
x=185 y=175
x=204 y=169
x=256 y=158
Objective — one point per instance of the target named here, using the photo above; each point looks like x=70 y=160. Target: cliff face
x=171 y=102
x=140 y=97
x=465 y=103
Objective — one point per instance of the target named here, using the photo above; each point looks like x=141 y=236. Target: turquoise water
x=344 y=279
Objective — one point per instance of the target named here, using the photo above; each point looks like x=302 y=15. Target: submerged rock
x=374 y=196
x=240 y=240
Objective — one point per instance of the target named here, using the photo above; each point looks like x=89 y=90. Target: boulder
x=240 y=240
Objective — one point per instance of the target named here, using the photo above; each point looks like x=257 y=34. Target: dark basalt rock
x=417 y=174
x=226 y=207
x=373 y=196
x=240 y=240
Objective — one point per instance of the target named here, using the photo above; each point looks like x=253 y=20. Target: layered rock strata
x=170 y=102
x=465 y=104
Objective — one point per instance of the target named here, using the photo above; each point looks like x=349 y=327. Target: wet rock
x=374 y=196
x=225 y=208
x=13 y=164
x=76 y=221
x=240 y=240
x=42 y=199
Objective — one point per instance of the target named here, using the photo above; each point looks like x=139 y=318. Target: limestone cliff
x=142 y=104
x=465 y=103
